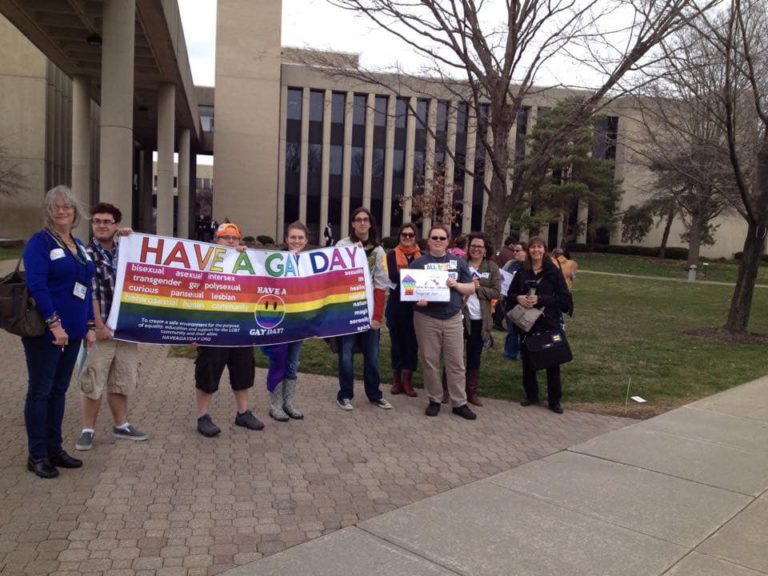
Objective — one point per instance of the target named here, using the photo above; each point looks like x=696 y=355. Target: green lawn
x=10 y=253
x=718 y=270
x=625 y=331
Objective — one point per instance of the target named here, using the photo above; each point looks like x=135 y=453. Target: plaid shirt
x=104 y=280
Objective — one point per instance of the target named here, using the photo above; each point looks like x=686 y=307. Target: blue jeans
x=292 y=360
x=512 y=341
x=369 y=346
x=50 y=370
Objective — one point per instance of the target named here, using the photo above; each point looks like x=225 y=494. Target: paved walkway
x=184 y=505
x=682 y=494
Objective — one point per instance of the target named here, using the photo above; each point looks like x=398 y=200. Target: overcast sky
x=306 y=23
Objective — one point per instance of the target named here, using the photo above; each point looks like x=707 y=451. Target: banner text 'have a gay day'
x=173 y=291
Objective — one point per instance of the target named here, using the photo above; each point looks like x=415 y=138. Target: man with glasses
x=111 y=365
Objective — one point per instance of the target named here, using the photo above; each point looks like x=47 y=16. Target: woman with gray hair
x=59 y=274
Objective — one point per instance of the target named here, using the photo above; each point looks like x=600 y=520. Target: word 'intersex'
x=163 y=252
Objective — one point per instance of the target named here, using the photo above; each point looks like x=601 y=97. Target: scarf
x=405 y=254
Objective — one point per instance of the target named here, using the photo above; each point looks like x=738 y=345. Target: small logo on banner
x=270 y=311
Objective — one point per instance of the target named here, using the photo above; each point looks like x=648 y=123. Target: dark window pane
x=380 y=115
x=338 y=103
x=316 y=98
x=401 y=112
x=315 y=158
x=294 y=104
x=358 y=113
x=336 y=159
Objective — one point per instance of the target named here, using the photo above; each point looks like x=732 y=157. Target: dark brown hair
x=373 y=237
x=105 y=208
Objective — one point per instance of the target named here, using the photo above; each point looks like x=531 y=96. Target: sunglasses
x=439 y=238
x=361 y=220
x=477 y=247
x=407 y=234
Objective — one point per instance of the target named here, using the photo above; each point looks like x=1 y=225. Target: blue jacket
x=51 y=273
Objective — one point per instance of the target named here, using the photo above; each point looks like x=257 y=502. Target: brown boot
x=408 y=384
x=397 y=383
x=473 y=377
x=446 y=396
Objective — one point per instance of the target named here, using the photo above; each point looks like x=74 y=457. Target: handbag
x=524 y=318
x=18 y=313
x=547 y=348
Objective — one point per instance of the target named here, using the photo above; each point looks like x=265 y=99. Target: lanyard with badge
x=80 y=289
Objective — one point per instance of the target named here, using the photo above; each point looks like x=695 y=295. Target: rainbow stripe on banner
x=242 y=299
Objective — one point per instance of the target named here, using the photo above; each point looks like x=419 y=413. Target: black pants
x=474 y=344
x=210 y=364
x=531 y=385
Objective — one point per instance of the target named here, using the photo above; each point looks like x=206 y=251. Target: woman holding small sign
x=478 y=315
x=439 y=328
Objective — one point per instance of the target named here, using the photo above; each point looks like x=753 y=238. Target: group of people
x=73 y=286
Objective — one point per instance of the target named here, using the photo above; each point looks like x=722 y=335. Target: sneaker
x=465 y=412
x=345 y=404
x=248 y=420
x=85 y=441
x=207 y=427
x=382 y=403
x=129 y=433
x=433 y=409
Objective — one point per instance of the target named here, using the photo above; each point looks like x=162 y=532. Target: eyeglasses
x=477 y=247
x=100 y=222
x=361 y=220
x=438 y=238
x=229 y=238
x=63 y=207
x=407 y=234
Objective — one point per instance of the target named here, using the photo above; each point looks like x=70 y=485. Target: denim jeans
x=512 y=341
x=50 y=370
x=292 y=360
x=369 y=346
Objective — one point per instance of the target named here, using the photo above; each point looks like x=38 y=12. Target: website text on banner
x=172 y=291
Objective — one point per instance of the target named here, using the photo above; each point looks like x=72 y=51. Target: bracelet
x=92 y=328
x=53 y=319
x=56 y=324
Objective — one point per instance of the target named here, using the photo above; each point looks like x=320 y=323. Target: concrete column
x=325 y=166
x=488 y=174
x=81 y=148
x=429 y=159
x=166 y=112
x=582 y=219
x=533 y=115
x=389 y=153
x=144 y=217
x=410 y=148
x=370 y=106
x=116 y=119
x=280 y=223
x=449 y=157
x=183 y=184
x=469 y=170
x=346 y=170
x=304 y=163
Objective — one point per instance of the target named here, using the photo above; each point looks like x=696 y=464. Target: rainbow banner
x=172 y=291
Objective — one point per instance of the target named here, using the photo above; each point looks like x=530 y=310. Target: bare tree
x=736 y=40
x=12 y=180
x=434 y=200
x=486 y=52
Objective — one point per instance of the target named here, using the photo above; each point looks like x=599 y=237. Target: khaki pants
x=442 y=338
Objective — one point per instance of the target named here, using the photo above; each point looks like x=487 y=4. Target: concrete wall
x=247 y=113
x=23 y=87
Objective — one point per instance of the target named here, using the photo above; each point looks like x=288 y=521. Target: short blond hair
x=49 y=204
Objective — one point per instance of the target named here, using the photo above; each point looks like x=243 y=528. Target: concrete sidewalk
x=682 y=494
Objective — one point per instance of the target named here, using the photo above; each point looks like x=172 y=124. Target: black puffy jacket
x=551 y=289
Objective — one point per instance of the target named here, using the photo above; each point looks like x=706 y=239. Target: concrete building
x=92 y=89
